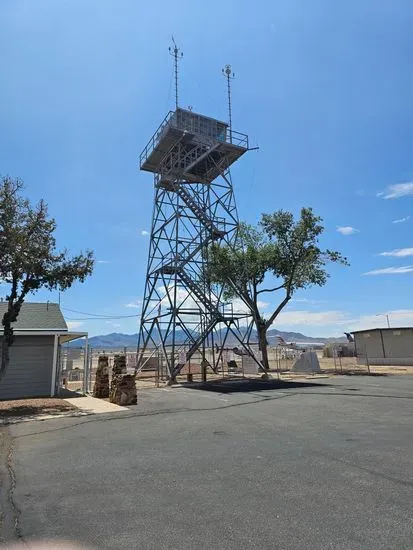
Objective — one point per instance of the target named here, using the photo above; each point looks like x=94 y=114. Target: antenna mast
x=176 y=54
x=229 y=75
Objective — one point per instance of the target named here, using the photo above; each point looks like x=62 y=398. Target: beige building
x=384 y=346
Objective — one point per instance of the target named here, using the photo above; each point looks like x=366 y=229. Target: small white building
x=384 y=346
x=40 y=330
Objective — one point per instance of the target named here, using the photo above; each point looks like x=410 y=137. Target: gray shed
x=384 y=346
x=39 y=332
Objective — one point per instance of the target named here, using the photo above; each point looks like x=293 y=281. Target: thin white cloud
x=114 y=325
x=398 y=253
x=186 y=301
x=134 y=305
x=391 y=270
x=397 y=317
x=144 y=232
x=397 y=191
x=347 y=230
x=307 y=301
x=72 y=325
x=336 y=321
x=318 y=323
x=102 y=261
x=402 y=220
x=312 y=318
x=239 y=306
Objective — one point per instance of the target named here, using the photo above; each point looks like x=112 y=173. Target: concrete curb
x=93 y=405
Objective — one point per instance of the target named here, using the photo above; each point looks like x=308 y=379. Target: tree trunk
x=10 y=317
x=5 y=357
x=7 y=339
x=262 y=340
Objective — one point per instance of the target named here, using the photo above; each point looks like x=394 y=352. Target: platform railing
x=155 y=138
x=238 y=139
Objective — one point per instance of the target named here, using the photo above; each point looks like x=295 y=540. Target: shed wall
x=369 y=344
x=30 y=370
x=397 y=344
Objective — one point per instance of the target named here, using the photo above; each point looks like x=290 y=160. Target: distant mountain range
x=118 y=340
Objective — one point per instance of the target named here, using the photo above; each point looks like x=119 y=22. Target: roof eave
x=383 y=328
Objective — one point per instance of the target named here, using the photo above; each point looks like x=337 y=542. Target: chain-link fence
x=72 y=366
x=77 y=366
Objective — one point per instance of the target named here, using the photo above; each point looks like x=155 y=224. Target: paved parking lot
x=324 y=466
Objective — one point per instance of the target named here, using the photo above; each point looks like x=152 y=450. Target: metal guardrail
x=154 y=139
x=238 y=139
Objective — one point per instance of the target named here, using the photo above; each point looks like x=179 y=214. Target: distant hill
x=118 y=340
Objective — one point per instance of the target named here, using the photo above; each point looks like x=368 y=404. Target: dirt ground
x=347 y=365
x=25 y=407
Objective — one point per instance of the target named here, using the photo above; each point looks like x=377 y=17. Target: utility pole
x=177 y=55
x=384 y=315
x=229 y=75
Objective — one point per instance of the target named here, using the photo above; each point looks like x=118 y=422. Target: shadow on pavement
x=250 y=385
x=64 y=393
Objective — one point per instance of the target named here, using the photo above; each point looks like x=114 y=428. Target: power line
x=97 y=315
x=85 y=312
x=101 y=318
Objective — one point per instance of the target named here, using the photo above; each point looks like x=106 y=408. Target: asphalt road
x=328 y=466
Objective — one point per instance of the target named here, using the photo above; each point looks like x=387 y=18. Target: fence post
x=85 y=366
x=277 y=362
x=157 y=371
x=90 y=369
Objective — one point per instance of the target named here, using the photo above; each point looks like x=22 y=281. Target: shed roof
x=37 y=316
x=381 y=329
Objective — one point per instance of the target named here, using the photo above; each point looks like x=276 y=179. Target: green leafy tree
x=278 y=257
x=28 y=256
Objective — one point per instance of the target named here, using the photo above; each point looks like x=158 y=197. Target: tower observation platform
x=192 y=147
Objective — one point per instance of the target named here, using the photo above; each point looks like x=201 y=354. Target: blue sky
x=324 y=88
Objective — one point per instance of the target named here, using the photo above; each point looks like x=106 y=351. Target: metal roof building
x=384 y=346
x=39 y=331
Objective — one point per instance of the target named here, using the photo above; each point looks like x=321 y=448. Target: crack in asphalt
x=16 y=510
x=157 y=412
x=375 y=473
x=10 y=514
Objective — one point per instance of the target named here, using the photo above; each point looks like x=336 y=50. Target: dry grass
x=34 y=407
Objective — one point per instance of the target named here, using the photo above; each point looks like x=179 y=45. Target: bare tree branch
x=271 y=289
x=278 y=311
